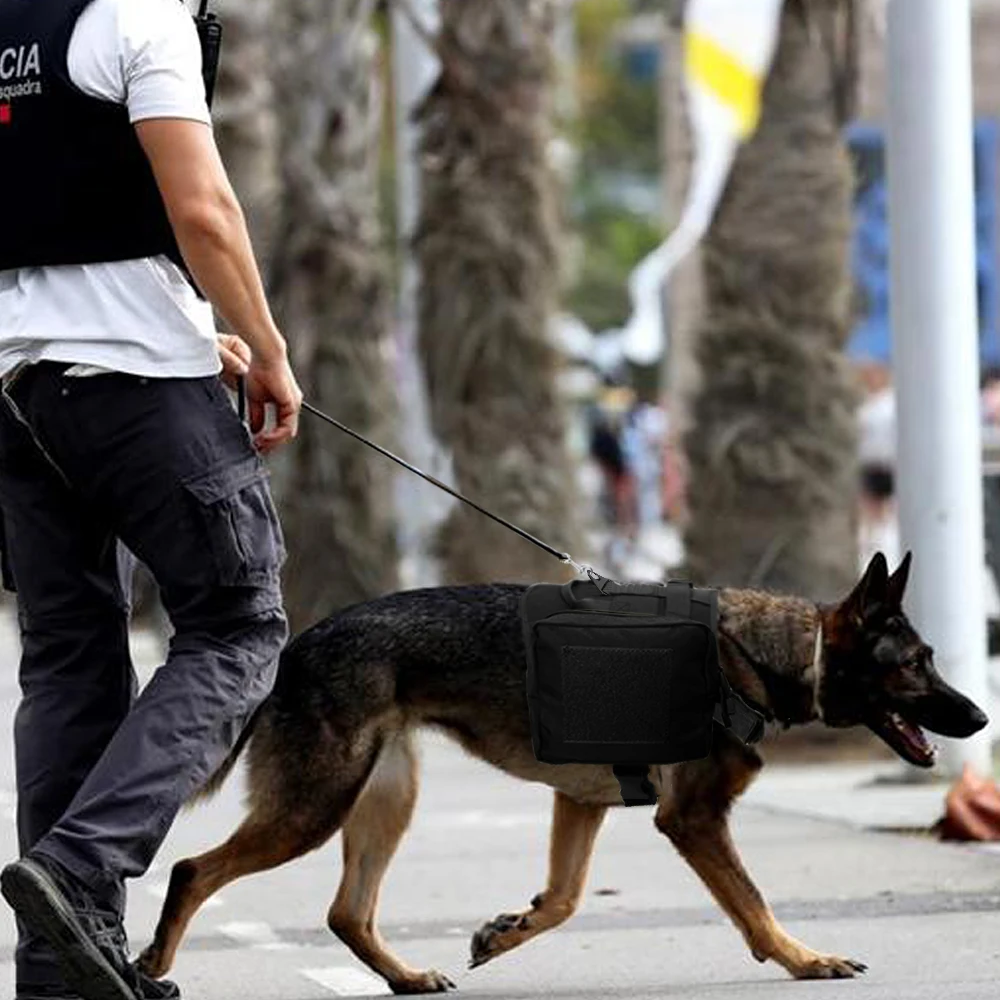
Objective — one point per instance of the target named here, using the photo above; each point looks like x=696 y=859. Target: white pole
x=415 y=68
x=935 y=342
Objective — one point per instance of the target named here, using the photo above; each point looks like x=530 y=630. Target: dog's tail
x=217 y=780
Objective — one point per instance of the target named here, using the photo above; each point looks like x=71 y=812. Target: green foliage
x=621 y=131
x=614 y=241
x=617 y=133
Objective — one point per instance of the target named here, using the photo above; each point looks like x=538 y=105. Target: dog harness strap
x=637 y=789
x=733 y=713
x=679 y=598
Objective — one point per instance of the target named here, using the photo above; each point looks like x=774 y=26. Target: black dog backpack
x=628 y=675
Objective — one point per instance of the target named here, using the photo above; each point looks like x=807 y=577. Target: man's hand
x=267 y=383
x=235 y=355
x=272 y=382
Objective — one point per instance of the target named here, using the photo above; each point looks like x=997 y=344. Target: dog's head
x=878 y=672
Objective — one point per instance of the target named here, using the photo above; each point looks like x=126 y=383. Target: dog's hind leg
x=285 y=822
x=694 y=814
x=372 y=833
x=571 y=847
x=254 y=847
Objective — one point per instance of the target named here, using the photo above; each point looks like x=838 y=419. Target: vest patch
x=85 y=190
x=18 y=66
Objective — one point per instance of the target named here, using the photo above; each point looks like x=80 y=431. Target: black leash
x=241 y=398
x=564 y=557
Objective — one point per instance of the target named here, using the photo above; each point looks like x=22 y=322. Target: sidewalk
x=877 y=796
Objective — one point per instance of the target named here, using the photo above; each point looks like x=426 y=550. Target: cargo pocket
x=244 y=535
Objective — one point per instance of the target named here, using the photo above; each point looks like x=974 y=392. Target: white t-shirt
x=137 y=316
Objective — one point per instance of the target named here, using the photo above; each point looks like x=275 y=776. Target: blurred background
x=460 y=209
x=451 y=199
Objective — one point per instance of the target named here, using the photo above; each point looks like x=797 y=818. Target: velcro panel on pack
x=615 y=695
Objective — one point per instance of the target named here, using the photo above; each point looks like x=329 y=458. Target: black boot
x=152 y=989
x=88 y=938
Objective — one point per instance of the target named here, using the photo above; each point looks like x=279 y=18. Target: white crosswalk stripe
x=347 y=981
x=158 y=890
x=255 y=934
x=8 y=804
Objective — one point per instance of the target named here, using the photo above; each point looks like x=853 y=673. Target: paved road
x=926 y=917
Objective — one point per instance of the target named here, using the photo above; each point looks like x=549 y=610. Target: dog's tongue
x=913 y=739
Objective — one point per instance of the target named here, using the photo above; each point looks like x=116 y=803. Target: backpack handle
x=678 y=593
x=673 y=597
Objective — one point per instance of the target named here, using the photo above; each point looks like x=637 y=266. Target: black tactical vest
x=75 y=185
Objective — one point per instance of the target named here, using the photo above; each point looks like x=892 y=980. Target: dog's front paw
x=152 y=962
x=430 y=981
x=497 y=936
x=830 y=967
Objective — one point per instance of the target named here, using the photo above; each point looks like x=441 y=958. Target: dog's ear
x=897 y=582
x=872 y=591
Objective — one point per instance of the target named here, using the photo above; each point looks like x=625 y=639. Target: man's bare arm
x=212 y=235
x=209 y=225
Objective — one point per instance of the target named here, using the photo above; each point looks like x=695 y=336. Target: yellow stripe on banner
x=737 y=86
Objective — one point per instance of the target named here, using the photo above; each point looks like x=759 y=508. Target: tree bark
x=244 y=117
x=331 y=294
x=771 y=447
x=487 y=248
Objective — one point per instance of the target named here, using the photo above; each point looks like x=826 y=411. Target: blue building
x=872 y=338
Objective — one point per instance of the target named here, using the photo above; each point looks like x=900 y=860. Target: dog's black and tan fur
x=332 y=749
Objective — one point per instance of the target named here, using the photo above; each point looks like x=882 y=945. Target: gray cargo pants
x=166 y=467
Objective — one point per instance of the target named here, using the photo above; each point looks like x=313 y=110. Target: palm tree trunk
x=771 y=448
x=487 y=248
x=331 y=292
x=245 y=120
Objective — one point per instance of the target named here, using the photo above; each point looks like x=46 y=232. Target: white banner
x=729 y=47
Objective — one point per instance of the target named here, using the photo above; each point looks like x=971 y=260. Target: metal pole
x=935 y=342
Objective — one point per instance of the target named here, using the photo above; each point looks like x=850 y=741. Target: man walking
x=114 y=426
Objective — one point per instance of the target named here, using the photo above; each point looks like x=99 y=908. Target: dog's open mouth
x=905 y=738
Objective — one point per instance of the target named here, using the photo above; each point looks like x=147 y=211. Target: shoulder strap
x=210 y=36
x=733 y=713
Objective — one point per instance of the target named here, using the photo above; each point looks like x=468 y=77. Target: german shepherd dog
x=332 y=749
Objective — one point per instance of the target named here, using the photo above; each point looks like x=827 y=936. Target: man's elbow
x=210 y=219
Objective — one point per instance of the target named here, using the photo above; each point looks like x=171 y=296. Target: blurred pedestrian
x=643 y=439
x=877 y=455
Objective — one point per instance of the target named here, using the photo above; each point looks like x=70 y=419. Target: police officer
x=119 y=232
